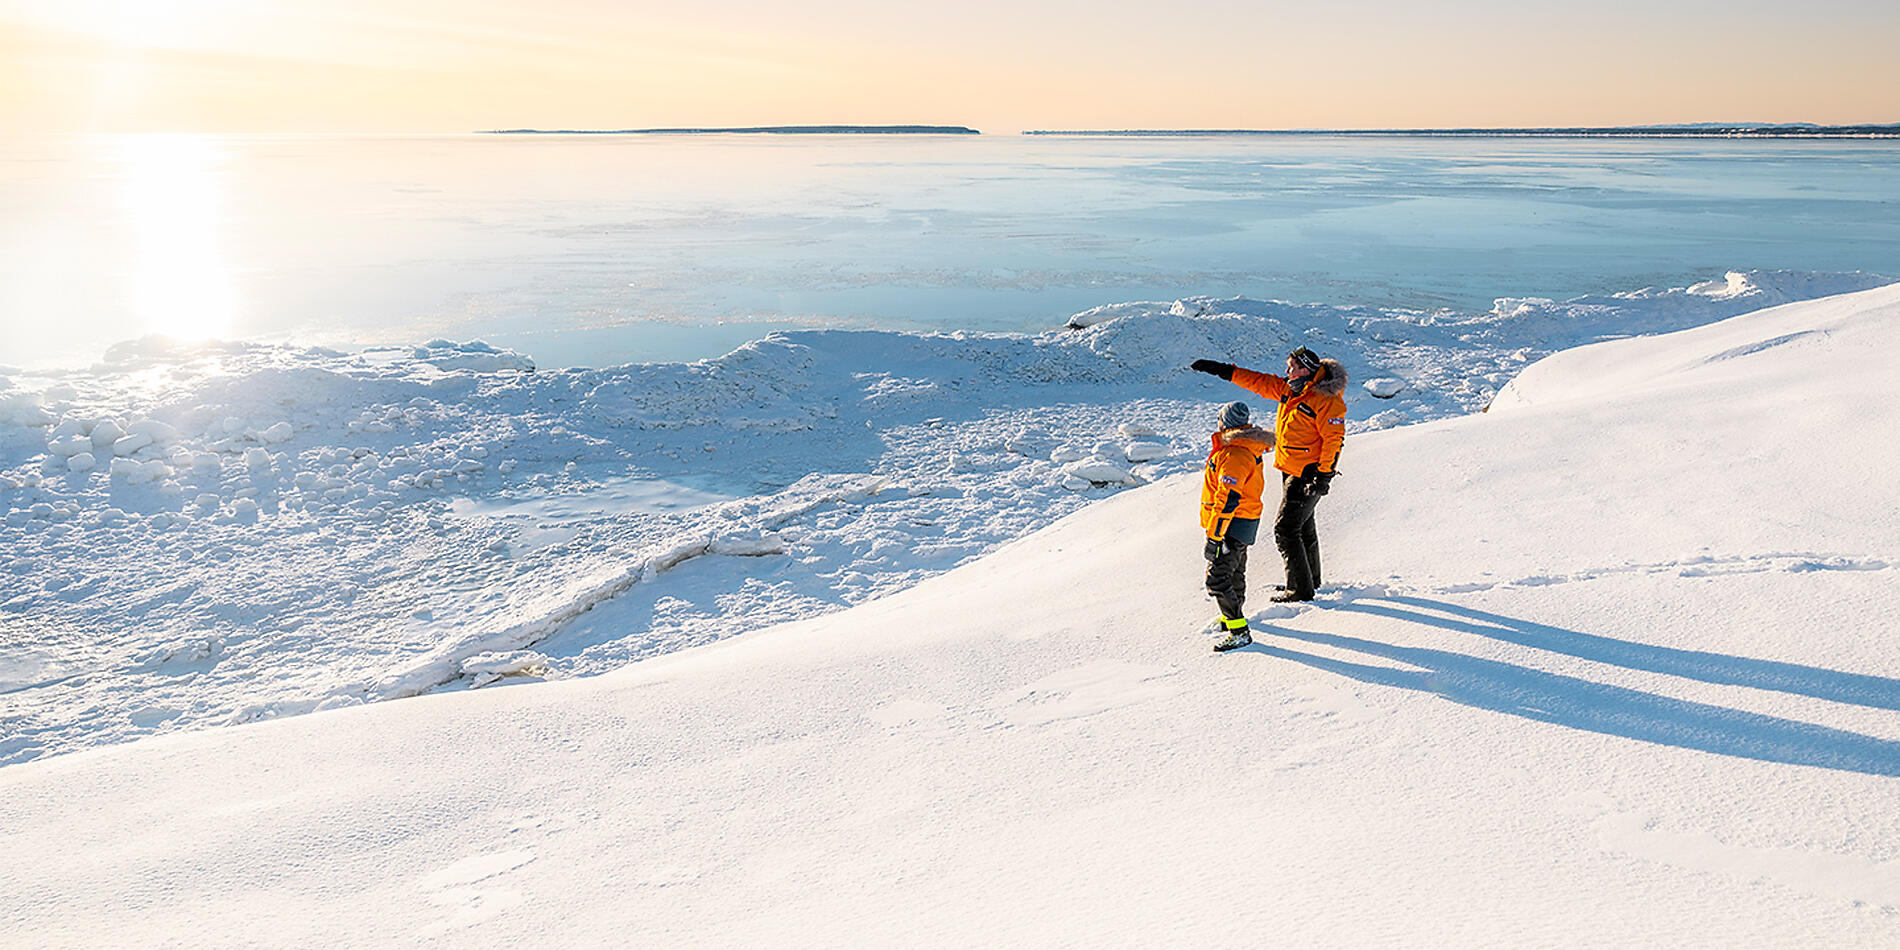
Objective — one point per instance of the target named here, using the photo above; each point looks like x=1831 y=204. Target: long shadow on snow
x=1856 y=688
x=1599 y=708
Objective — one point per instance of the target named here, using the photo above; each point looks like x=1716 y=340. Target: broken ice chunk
x=105 y=434
x=1145 y=451
x=1385 y=387
x=1099 y=471
x=489 y=667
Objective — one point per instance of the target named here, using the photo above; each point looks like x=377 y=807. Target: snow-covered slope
x=1607 y=666
x=203 y=535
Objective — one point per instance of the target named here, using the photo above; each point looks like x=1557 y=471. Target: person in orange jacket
x=1231 y=488
x=1309 y=430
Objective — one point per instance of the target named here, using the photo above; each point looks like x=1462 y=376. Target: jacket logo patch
x=1229 y=480
x=1337 y=420
x=1307 y=411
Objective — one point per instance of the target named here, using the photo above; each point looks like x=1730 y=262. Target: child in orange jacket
x=1231 y=487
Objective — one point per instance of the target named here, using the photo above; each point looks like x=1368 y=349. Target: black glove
x=1212 y=368
x=1323 y=482
x=1215 y=548
x=1302 y=484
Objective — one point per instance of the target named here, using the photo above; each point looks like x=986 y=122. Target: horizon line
x=1692 y=129
x=1697 y=129
x=757 y=130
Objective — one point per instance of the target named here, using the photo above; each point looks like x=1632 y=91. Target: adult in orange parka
x=1231 y=487
x=1309 y=431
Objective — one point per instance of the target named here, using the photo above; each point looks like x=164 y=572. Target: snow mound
x=1797 y=339
x=23 y=409
x=1117 y=311
x=475 y=356
x=1673 y=308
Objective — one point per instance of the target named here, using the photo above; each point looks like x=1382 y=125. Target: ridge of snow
x=1791 y=336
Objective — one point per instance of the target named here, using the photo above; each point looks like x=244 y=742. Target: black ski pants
x=1227 y=580
x=1296 y=535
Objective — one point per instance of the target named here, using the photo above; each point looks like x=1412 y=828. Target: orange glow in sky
x=434 y=65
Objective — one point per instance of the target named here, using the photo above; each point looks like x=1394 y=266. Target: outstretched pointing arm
x=1261 y=384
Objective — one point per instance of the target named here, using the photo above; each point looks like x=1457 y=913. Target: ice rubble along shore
x=1609 y=667
x=202 y=535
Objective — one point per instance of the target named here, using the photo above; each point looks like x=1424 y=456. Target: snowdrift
x=1605 y=666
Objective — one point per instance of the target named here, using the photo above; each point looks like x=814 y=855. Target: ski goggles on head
x=1306 y=358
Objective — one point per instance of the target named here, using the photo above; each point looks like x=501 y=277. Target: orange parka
x=1232 y=483
x=1310 y=427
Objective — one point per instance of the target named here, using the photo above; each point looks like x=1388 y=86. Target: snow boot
x=1291 y=596
x=1237 y=636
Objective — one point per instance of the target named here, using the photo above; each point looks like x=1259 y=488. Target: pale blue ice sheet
x=595 y=250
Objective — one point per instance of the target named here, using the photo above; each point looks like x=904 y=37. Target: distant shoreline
x=1646 y=131
x=760 y=130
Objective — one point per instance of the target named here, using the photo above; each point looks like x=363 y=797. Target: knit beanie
x=1234 y=415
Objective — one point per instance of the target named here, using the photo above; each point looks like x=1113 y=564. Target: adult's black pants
x=1296 y=535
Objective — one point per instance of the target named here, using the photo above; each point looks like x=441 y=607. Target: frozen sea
x=296 y=424
x=600 y=250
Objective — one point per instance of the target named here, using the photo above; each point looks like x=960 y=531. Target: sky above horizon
x=458 y=65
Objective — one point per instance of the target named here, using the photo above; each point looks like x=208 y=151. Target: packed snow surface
x=214 y=534
x=1607 y=666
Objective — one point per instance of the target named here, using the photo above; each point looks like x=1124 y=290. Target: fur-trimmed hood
x=1333 y=380
x=1253 y=438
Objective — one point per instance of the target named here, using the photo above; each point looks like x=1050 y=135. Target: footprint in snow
x=1085 y=691
x=1858 y=879
x=452 y=888
x=1331 y=710
x=909 y=714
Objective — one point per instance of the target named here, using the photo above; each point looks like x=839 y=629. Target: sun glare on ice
x=180 y=285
